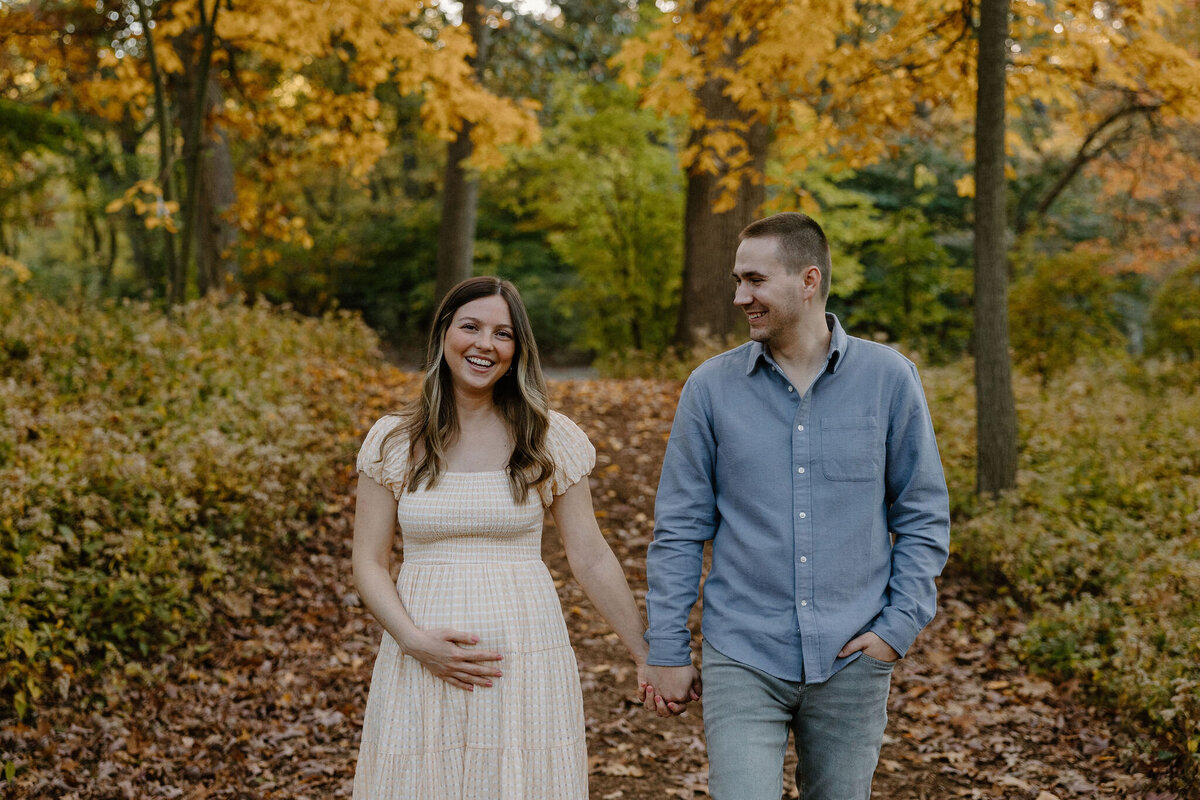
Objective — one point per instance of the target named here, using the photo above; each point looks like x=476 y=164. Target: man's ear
x=812 y=280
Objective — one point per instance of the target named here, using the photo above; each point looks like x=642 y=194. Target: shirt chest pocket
x=851 y=449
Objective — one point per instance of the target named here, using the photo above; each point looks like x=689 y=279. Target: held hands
x=448 y=655
x=667 y=690
x=870 y=644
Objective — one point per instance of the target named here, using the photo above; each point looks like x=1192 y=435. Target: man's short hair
x=801 y=243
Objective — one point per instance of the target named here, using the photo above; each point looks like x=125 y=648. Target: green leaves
x=604 y=183
x=1100 y=542
x=1175 y=314
x=152 y=463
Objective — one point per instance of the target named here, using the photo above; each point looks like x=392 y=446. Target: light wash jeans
x=838 y=728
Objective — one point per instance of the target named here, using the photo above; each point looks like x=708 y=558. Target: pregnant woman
x=475 y=692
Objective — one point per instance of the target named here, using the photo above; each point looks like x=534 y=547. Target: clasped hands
x=667 y=690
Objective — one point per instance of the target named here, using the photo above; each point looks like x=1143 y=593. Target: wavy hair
x=431 y=420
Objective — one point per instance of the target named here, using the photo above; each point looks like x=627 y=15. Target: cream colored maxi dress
x=472 y=562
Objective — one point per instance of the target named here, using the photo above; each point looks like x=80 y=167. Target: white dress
x=472 y=562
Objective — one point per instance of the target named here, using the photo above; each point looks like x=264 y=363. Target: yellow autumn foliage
x=874 y=70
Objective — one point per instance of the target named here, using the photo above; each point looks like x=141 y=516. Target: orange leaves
x=146 y=197
x=18 y=271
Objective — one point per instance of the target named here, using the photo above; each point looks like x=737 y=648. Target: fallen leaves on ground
x=274 y=709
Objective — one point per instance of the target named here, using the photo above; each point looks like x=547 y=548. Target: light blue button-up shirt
x=801 y=491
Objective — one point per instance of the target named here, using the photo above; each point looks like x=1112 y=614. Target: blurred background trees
x=604 y=154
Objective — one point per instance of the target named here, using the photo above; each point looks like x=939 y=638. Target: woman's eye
x=504 y=334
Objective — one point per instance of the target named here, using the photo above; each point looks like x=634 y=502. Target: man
x=807 y=457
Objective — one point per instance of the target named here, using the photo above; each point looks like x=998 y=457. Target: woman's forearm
x=603 y=581
x=378 y=593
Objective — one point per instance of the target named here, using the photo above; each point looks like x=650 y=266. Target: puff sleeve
x=573 y=456
x=386 y=467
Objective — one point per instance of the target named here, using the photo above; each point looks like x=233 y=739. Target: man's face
x=771 y=297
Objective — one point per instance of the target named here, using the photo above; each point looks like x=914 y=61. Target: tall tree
x=734 y=72
x=460 y=190
x=216 y=234
x=712 y=220
x=996 y=416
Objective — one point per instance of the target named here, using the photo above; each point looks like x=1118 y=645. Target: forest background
x=160 y=160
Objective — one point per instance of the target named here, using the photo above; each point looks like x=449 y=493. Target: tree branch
x=1088 y=151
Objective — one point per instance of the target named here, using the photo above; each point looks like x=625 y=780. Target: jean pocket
x=851 y=449
x=878 y=663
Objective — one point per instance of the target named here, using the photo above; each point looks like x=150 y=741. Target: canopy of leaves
x=605 y=186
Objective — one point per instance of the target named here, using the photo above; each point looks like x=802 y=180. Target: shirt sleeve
x=384 y=464
x=573 y=454
x=685 y=517
x=918 y=517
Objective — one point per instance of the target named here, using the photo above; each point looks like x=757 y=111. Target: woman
x=475 y=692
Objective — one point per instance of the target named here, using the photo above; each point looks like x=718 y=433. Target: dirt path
x=274 y=710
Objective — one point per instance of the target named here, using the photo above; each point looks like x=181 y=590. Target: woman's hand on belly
x=451 y=656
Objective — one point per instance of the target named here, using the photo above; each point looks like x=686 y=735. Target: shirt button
x=803 y=559
x=803 y=602
x=791 y=388
x=801 y=470
x=803 y=515
x=799 y=427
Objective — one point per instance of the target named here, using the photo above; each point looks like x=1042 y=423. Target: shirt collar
x=833 y=359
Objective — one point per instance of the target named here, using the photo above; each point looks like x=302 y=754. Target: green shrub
x=1064 y=308
x=1175 y=314
x=1101 y=539
x=147 y=466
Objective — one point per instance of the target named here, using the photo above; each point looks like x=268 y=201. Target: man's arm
x=685 y=517
x=918 y=517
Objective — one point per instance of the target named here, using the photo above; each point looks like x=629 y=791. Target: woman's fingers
x=465 y=643
x=453 y=658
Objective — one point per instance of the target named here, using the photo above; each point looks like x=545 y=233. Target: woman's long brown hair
x=431 y=420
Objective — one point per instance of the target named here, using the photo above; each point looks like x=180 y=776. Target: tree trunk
x=194 y=104
x=996 y=415
x=460 y=192
x=706 y=310
x=460 y=206
x=147 y=268
x=215 y=235
x=166 y=162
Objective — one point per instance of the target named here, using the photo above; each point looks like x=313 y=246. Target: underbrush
x=1100 y=542
x=151 y=469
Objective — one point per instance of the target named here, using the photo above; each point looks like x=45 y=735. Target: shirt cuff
x=669 y=651
x=897 y=629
